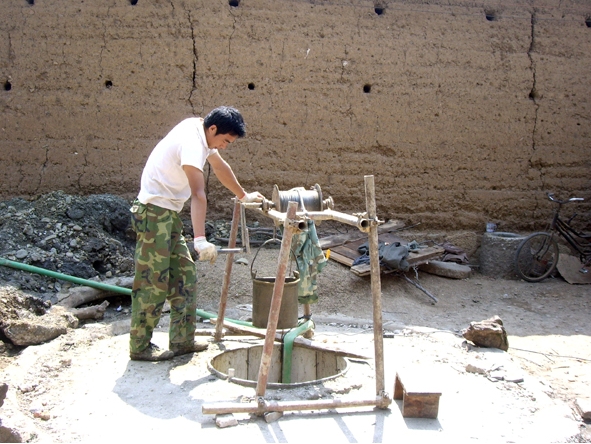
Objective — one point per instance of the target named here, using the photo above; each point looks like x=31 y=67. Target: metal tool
x=230 y=250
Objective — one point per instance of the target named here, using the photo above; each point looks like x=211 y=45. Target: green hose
x=206 y=315
x=288 y=341
x=65 y=277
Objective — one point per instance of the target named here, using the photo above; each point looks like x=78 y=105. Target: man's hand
x=206 y=250
x=252 y=197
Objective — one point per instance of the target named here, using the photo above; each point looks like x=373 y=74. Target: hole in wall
x=31 y=2
x=367 y=88
x=234 y=3
x=7 y=86
x=379 y=11
x=133 y=2
x=533 y=94
x=251 y=86
x=490 y=15
x=588 y=21
x=108 y=84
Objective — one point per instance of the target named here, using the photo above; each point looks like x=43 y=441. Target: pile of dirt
x=87 y=237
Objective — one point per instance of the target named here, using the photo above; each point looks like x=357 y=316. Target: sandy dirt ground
x=83 y=387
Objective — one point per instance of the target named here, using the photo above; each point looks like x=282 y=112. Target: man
x=164 y=268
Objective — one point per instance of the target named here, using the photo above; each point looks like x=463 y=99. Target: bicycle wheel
x=536 y=257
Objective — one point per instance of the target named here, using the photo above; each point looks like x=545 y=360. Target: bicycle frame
x=577 y=240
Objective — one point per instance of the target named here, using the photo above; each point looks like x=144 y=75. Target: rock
x=227 y=420
x=447 y=269
x=488 y=333
x=9 y=434
x=23 y=332
x=3 y=391
x=31 y=332
x=472 y=368
x=584 y=408
x=272 y=416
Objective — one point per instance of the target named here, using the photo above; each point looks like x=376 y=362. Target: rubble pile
x=88 y=237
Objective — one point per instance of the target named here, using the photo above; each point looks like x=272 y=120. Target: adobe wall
x=464 y=113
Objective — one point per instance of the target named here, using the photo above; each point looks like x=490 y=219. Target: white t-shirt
x=164 y=182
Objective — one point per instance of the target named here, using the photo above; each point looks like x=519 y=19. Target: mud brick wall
x=464 y=111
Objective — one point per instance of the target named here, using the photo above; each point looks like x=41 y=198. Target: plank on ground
x=341 y=239
x=346 y=254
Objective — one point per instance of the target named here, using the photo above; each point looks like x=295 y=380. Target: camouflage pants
x=164 y=270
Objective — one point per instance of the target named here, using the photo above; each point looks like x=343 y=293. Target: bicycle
x=536 y=256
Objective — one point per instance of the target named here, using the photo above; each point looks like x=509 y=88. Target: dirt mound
x=87 y=237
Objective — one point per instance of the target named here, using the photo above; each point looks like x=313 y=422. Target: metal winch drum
x=308 y=200
x=262 y=294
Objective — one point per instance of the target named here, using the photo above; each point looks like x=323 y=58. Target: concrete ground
x=91 y=392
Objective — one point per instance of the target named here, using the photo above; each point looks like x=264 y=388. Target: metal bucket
x=262 y=294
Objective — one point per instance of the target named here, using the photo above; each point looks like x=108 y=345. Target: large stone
x=488 y=333
x=584 y=407
x=3 y=391
x=34 y=331
x=9 y=434
x=447 y=269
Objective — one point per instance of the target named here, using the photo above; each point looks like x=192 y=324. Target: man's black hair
x=227 y=121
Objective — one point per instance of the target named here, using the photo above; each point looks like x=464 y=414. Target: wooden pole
x=376 y=285
x=289 y=228
x=219 y=326
x=281 y=406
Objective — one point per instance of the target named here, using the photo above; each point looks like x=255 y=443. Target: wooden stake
x=376 y=285
x=289 y=229
x=228 y=271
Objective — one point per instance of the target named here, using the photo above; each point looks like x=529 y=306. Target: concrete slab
x=99 y=395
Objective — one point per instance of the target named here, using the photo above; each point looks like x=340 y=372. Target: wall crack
x=195 y=60
x=533 y=94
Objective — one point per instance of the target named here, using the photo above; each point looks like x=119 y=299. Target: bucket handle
x=273 y=240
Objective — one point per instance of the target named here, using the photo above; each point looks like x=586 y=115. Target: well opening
x=241 y=366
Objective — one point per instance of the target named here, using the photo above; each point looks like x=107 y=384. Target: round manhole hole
x=307 y=366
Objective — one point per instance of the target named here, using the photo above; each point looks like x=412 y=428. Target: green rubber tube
x=65 y=277
x=94 y=284
x=206 y=315
x=288 y=341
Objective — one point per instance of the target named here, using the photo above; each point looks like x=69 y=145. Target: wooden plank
x=341 y=259
x=350 y=250
x=414 y=258
x=340 y=239
x=348 y=253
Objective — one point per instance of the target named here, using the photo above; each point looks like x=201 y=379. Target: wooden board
x=569 y=266
x=341 y=239
x=347 y=253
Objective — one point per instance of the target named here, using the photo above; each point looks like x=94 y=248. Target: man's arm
x=226 y=176
x=223 y=171
x=206 y=250
x=198 y=199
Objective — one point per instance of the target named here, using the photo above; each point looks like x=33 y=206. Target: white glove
x=252 y=197
x=206 y=250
